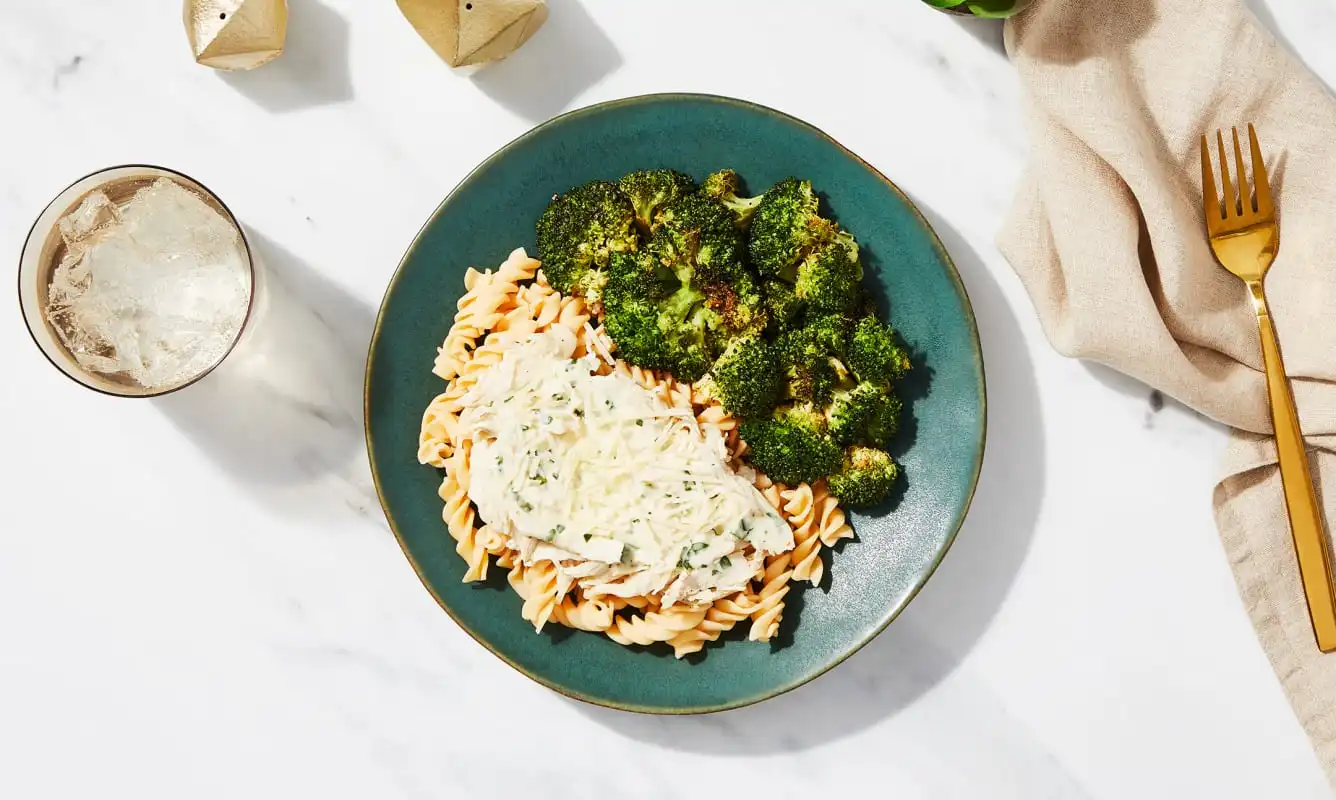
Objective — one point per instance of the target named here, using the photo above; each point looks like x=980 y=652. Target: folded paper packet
x=1107 y=235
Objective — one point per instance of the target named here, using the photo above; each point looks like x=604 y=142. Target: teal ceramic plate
x=870 y=580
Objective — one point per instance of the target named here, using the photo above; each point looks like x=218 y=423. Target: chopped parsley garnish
x=725 y=562
x=742 y=530
x=525 y=505
x=588 y=536
x=579 y=412
x=688 y=551
x=640 y=423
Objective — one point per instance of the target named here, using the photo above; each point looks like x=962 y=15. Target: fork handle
x=1306 y=523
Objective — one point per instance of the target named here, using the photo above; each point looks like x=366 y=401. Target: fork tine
x=1210 y=198
x=1263 y=187
x=1230 y=197
x=1245 y=196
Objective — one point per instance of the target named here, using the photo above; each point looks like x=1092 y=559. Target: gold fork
x=1245 y=237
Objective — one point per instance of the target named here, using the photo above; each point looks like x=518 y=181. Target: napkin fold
x=1107 y=235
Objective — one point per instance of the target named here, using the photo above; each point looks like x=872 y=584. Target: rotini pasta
x=831 y=522
x=722 y=616
x=587 y=615
x=770 y=600
x=801 y=513
x=655 y=626
x=503 y=307
x=478 y=311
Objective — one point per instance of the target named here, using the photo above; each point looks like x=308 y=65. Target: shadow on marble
x=1262 y=10
x=1124 y=384
x=987 y=31
x=942 y=625
x=313 y=70
x=1156 y=401
x=566 y=57
x=282 y=415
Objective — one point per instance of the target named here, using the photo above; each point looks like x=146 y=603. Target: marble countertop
x=201 y=599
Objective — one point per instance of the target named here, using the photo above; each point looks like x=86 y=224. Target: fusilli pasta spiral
x=722 y=616
x=655 y=626
x=801 y=512
x=587 y=615
x=770 y=601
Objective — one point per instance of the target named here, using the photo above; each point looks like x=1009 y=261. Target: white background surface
x=199 y=597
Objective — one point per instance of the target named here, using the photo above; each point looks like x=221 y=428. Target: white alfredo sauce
x=622 y=492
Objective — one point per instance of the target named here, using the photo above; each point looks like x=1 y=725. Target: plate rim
x=953 y=273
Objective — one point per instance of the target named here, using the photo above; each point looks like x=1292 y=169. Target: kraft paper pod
x=477 y=31
x=236 y=34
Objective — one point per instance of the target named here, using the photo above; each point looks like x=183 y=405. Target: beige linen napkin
x=1107 y=236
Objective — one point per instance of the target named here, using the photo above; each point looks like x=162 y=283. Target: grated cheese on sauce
x=623 y=493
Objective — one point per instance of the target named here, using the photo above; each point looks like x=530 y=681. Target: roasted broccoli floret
x=865 y=414
x=696 y=235
x=640 y=274
x=578 y=233
x=739 y=306
x=864 y=478
x=804 y=415
x=828 y=333
x=726 y=187
x=656 y=321
x=650 y=190
x=685 y=322
x=689 y=287
x=808 y=380
x=782 y=306
x=791 y=447
x=874 y=354
x=786 y=227
x=746 y=378
x=696 y=240
x=809 y=359
x=633 y=299
x=829 y=277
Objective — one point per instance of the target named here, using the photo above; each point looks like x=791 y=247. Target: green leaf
x=994 y=9
x=944 y=3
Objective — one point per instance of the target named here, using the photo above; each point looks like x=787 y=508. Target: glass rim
x=250 y=289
